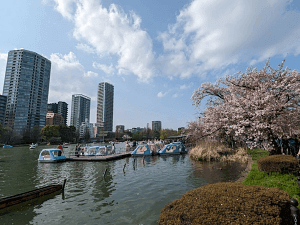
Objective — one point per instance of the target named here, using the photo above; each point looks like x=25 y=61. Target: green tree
x=156 y=134
x=50 y=131
x=67 y=134
x=137 y=136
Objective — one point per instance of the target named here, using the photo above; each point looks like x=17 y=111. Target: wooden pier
x=99 y=157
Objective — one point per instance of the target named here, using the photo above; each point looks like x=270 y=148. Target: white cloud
x=3 y=56
x=90 y=74
x=112 y=31
x=184 y=86
x=109 y=70
x=161 y=94
x=63 y=62
x=175 y=95
x=65 y=7
x=85 y=47
x=213 y=34
x=207 y=36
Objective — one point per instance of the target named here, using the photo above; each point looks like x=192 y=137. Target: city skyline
x=155 y=54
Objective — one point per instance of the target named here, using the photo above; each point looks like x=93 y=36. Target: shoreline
x=245 y=173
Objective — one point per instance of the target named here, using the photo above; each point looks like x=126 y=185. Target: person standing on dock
x=113 y=149
x=127 y=147
x=106 y=153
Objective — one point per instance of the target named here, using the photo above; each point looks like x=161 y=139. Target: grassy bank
x=285 y=182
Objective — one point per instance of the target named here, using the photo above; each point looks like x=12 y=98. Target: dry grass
x=240 y=155
x=215 y=151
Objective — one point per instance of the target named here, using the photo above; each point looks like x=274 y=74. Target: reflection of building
x=26 y=86
x=120 y=128
x=156 y=125
x=3 y=100
x=80 y=110
x=54 y=118
x=105 y=105
x=61 y=108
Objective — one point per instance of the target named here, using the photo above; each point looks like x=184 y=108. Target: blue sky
x=155 y=53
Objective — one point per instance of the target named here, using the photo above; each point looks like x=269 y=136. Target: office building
x=105 y=105
x=26 y=86
x=84 y=128
x=3 y=100
x=61 y=108
x=54 y=118
x=120 y=128
x=156 y=125
x=80 y=110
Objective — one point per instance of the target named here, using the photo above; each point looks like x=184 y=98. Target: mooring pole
x=63 y=187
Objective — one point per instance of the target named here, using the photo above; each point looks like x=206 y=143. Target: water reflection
x=213 y=172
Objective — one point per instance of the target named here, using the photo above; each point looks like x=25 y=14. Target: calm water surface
x=133 y=196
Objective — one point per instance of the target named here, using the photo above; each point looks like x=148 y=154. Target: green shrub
x=283 y=164
x=229 y=203
x=285 y=182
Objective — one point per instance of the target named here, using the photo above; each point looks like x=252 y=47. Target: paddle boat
x=170 y=149
x=7 y=146
x=145 y=150
x=51 y=155
x=182 y=148
x=33 y=146
x=96 y=150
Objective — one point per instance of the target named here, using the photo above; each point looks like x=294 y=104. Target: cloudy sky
x=155 y=53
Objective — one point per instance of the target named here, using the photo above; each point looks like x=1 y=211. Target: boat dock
x=98 y=157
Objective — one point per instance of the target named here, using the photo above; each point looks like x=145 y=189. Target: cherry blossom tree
x=255 y=105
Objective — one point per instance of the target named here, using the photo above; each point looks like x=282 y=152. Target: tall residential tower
x=26 y=86
x=60 y=108
x=80 y=110
x=105 y=105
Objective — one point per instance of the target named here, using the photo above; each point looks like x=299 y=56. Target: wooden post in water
x=63 y=187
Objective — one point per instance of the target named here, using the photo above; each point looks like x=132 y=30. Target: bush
x=283 y=164
x=229 y=203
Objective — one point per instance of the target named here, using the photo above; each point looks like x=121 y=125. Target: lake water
x=134 y=195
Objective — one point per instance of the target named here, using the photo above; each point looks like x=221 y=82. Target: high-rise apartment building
x=3 y=100
x=80 y=110
x=105 y=105
x=156 y=125
x=54 y=118
x=26 y=86
x=60 y=108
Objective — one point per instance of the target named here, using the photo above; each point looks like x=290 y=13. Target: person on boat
x=105 y=149
x=75 y=150
x=61 y=149
x=78 y=150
